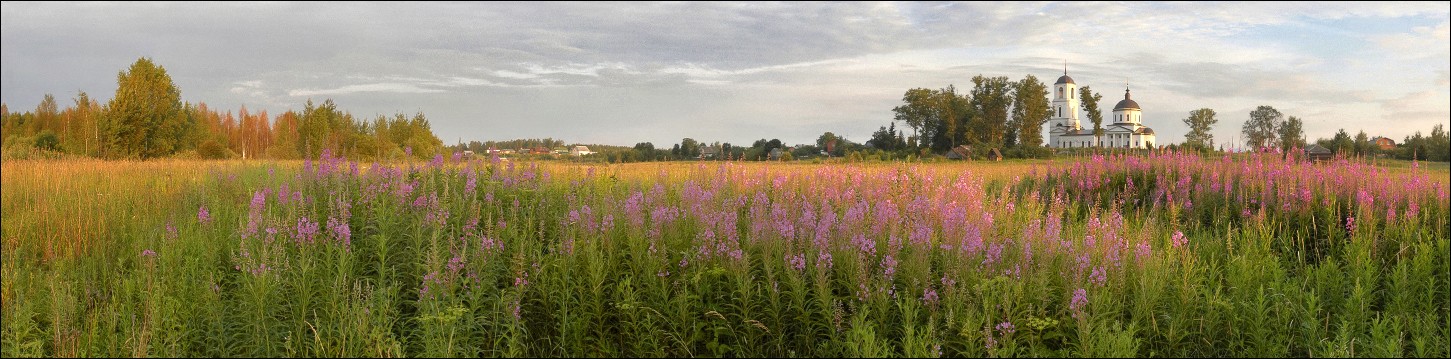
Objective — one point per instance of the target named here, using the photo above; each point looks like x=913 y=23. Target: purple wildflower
x=1080 y=300
x=1006 y=328
x=797 y=262
x=148 y=253
x=306 y=230
x=341 y=231
x=1178 y=240
x=455 y=264
x=203 y=215
x=823 y=261
x=929 y=296
x=889 y=266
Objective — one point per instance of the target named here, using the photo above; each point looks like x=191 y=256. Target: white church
x=1065 y=131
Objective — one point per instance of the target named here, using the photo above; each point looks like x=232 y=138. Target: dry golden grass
x=68 y=205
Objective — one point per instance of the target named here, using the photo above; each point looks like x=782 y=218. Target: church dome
x=1127 y=102
x=1064 y=80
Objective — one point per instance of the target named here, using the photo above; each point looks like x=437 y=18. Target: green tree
x=831 y=143
x=886 y=139
x=1030 y=111
x=954 y=114
x=1363 y=147
x=1292 y=134
x=1089 y=101
x=689 y=148
x=1200 y=122
x=1438 y=146
x=646 y=151
x=145 y=118
x=1341 y=143
x=318 y=122
x=916 y=110
x=1261 y=129
x=47 y=116
x=990 y=99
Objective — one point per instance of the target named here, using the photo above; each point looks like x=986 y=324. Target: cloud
x=1423 y=108
x=387 y=87
x=662 y=71
x=1420 y=42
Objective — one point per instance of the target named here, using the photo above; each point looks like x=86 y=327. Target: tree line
x=1268 y=128
x=996 y=113
x=147 y=119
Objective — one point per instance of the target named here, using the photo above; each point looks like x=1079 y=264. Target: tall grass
x=1158 y=255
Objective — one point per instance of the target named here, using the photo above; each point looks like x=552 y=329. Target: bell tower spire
x=1064 y=117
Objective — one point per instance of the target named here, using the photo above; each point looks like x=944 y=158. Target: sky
x=622 y=73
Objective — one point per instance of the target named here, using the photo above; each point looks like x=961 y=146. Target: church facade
x=1066 y=131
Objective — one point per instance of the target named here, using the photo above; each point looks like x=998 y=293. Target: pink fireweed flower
x=455 y=264
x=1099 y=276
x=797 y=262
x=823 y=261
x=306 y=230
x=1142 y=252
x=203 y=215
x=889 y=266
x=1079 y=301
x=171 y=232
x=148 y=253
x=1006 y=328
x=864 y=245
x=929 y=296
x=341 y=231
x=1350 y=224
x=1179 y=240
x=473 y=181
x=259 y=200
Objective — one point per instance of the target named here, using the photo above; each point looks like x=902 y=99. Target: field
x=1160 y=255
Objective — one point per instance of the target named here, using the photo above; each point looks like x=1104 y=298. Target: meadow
x=1158 y=255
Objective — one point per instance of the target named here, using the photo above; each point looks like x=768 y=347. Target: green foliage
x=1089 y=101
x=1291 y=134
x=145 y=118
x=212 y=150
x=1262 y=128
x=1200 y=122
x=46 y=140
x=1031 y=110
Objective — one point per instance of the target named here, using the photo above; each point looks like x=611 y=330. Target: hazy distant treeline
x=146 y=119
